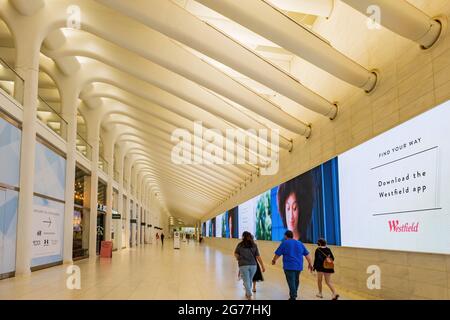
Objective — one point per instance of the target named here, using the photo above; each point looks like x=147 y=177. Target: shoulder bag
x=328 y=263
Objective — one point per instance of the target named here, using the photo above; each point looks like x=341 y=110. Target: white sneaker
x=319 y=296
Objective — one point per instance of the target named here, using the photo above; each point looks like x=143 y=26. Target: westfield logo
x=395 y=226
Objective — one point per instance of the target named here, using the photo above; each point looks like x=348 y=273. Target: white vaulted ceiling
x=158 y=65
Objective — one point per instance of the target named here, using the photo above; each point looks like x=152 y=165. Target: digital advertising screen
x=208 y=228
x=308 y=205
x=247 y=218
x=213 y=227
x=394 y=189
x=233 y=223
x=391 y=192
x=219 y=225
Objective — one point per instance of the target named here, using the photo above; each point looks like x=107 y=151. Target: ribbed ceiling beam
x=262 y=18
x=221 y=181
x=238 y=172
x=80 y=44
x=174 y=174
x=164 y=103
x=403 y=18
x=179 y=24
x=167 y=124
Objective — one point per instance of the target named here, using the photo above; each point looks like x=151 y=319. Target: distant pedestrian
x=162 y=238
x=324 y=266
x=247 y=255
x=293 y=252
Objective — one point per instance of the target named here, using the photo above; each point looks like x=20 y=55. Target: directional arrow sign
x=49 y=222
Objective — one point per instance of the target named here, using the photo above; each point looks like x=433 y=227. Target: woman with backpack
x=247 y=255
x=324 y=266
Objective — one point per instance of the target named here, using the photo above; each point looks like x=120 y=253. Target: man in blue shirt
x=293 y=252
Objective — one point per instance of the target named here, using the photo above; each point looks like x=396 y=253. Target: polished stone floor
x=155 y=272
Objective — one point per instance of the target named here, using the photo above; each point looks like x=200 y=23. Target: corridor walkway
x=154 y=272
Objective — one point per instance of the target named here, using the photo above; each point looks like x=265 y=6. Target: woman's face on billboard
x=291 y=210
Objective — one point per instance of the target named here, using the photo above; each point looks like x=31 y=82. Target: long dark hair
x=302 y=187
x=247 y=240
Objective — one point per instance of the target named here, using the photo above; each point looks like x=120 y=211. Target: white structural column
x=69 y=109
x=143 y=209
x=144 y=200
x=147 y=217
x=133 y=208
x=27 y=65
x=144 y=215
x=109 y=155
x=120 y=207
x=94 y=141
x=272 y=24
x=403 y=18
x=150 y=220
x=128 y=203
x=139 y=208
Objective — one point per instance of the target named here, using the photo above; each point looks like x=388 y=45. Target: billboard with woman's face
x=308 y=205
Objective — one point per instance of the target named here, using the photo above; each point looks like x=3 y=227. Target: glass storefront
x=101 y=212
x=124 y=222
x=81 y=214
x=116 y=216
x=132 y=222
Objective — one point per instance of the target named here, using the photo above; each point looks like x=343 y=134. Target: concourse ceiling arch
x=147 y=68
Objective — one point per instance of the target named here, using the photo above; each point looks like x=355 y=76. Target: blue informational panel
x=47 y=232
x=9 y=201
x=48 y=215
x=50 y=173
x=10 y=140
